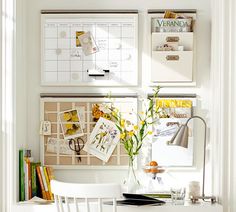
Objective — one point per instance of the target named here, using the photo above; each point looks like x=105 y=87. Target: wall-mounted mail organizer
x=67 y=126
x=176 y=109
x=172 y=46
x=89 y=48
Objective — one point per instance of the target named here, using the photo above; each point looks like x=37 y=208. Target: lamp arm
x=204 y=156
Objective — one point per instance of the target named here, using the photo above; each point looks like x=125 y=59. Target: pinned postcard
x=103 y=139
x=55 y=145
x=71 y=124
x=78 y=33
x=88 y=43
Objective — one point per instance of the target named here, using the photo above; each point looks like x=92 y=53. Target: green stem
x=131 y=168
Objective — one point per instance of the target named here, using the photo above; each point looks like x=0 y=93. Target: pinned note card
x=103 y=139
x=45 y=128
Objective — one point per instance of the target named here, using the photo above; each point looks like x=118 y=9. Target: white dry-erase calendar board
x=111 y=38
x=55 y=149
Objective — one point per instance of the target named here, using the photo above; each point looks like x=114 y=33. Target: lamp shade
x=180 y=138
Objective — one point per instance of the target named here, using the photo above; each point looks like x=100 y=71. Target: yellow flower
x=114 y=113
x=122 y=122
x=70 y=132
x=122 y=135
x=149 y=132
x=67 y=116
x=74 y=112
x=75 y=118
x=131 y=133
x=102 y=134
x=96 y=112
x=69 y=126
x=135 y=127
x=142 y=122
x=106 y=116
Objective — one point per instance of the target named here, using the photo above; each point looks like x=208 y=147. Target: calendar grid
x=64 y=63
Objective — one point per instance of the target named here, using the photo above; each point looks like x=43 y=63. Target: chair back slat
x=56 y=202
x=67 y=204
x=99 y=205
x=84 y=191
x=60 y=204
x=76 y=205
x=87 y=205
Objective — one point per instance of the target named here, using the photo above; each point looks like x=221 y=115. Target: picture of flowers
x=70 y=124
x=103 y=139
x=101 y=110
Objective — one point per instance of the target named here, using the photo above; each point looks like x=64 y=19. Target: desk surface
x=187 y=207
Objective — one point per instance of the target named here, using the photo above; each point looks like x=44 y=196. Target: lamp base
x=195 y=199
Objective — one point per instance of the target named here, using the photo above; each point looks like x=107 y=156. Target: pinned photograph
x=78 y=33
x=71 y=124
x=88 y=43
x=103 y=139
x=101 y=110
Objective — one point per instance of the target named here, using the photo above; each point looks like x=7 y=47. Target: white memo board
x=64 y=62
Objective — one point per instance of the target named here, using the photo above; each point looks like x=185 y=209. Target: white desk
x=188 y=207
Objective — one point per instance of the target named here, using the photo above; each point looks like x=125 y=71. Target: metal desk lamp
x=181 y=139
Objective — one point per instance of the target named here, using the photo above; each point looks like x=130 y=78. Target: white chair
x=65 y=191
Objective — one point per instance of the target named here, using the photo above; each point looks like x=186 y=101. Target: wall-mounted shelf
x=172 y=48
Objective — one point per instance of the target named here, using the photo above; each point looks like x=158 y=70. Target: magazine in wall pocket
x=174 y=113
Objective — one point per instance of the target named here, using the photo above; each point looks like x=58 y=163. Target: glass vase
x=131 y=182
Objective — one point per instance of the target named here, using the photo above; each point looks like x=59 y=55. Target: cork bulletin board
x=55 y=149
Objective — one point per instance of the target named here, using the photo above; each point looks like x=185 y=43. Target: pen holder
x=178 y=195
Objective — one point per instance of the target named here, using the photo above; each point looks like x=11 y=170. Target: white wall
x=28 y=78
x=1 y=143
